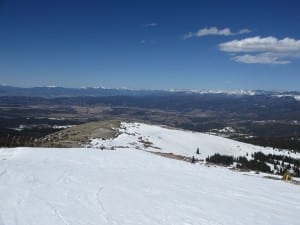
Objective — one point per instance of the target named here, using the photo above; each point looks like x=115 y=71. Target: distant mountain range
x=53 y=91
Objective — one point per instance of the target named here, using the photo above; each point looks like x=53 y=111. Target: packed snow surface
x=92 y=187
x=181 y=142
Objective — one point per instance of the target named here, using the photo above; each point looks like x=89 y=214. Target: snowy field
x=93 y=187
x=181 y=142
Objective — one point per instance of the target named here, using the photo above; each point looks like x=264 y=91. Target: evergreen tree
x=193 y=159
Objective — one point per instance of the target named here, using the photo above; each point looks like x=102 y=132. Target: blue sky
x=151 y=44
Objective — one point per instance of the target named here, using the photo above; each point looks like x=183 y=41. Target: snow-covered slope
x=92 y=187
x=162 y=139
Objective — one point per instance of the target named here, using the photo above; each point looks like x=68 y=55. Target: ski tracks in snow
x=106 y=217
x=3 y=172
x=58 y=214
x=100 y=205
x=1 y=221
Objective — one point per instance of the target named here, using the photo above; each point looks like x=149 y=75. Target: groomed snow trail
x=92 y=187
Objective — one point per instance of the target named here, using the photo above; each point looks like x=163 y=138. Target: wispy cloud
x=265 y=58
x=150 y=25
x=214 y=31
x=145 y=41
x=268 y=50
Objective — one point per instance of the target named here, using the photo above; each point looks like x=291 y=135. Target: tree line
x=259 y=162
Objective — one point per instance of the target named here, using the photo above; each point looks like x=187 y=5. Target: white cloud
x=260 y=59
x=214 y=31
x=258 y=44
x=268 y=50
x=151 y=25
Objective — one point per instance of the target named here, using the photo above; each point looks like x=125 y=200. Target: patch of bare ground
x=297 y=182
x=78 y=136
x=293 y=181
x=174 y=156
